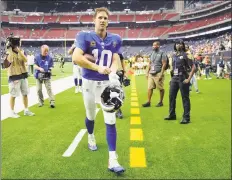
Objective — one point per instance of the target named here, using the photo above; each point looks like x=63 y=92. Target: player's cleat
x=92 y=142
x=119 y=114
x=114 y=166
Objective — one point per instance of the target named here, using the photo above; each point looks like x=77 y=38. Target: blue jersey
x=101 y=49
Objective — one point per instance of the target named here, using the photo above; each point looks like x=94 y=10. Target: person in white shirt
x=30 y=63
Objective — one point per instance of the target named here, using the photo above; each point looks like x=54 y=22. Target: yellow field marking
x=133 y=91
x=134 y=94
x=136 y=135
x=135 y=120
x=137 y=157
x=135 y=111
x=134 y=104
x=134 y=99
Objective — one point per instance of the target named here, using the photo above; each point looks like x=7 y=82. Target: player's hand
x=41 y=69
x=160 y=78
x=104 y=70
x=114 y=79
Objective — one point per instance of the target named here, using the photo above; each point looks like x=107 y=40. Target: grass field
x=32 y=147
x=57 y=74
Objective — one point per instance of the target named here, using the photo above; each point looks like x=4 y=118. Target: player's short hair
x=97 y=10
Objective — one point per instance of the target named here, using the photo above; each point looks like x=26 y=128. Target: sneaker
x=160 y=104
x=197 y=91
x=76 y=90
x=114 y=166
x=80 y=89
x=52 y=105
x=14 y=115
x=28 y=113
x=148 y=104
x=92 y=142
x=40 y=104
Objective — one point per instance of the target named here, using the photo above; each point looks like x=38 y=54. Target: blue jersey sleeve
x=80 y=41
x=119 y=44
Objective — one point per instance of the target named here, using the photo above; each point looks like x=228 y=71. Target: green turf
x=32 y=147
x=57 y=74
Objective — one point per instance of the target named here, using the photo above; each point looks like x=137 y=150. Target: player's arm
x=70 y=51
x=79 y=59
x=115 y=60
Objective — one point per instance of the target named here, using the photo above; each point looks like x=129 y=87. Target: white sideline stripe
x=58 y=86
x=75 y=143
x=3 y=85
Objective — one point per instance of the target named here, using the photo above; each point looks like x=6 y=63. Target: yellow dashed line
x=134 y=94
x=135 y=111
x=134 y=104
x=137 y=157
x=134 y=99
x=136 y=134
x=135 y=120
x=133 y=91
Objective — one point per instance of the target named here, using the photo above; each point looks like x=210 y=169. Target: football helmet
x=112 y=98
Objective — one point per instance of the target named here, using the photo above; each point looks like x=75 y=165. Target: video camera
x=44 y=75
x=12 y=41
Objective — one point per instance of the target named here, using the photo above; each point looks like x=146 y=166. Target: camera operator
x=43 y=65
x=15 y=63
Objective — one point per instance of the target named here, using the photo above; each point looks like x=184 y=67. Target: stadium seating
x=33 y=18
x=69 y=18
x=50 y=19
x=17 y=19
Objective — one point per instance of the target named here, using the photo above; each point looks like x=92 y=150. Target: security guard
x=182 y=72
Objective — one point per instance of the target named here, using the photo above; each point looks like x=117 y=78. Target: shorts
x=21 y=85
x=153 y=82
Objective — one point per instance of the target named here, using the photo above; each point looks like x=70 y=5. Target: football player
x=76 y=72
x=97 y=53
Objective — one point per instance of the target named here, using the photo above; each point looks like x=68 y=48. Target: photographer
x=17 y=74
x=43 y=65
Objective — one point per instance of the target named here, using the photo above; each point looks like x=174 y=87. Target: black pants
x=175 y=85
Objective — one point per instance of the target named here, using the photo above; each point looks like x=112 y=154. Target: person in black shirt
x=182 y=72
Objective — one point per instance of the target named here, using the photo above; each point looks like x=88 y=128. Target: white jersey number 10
x=106 y=57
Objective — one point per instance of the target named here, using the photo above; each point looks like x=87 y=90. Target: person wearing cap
x=182 y=72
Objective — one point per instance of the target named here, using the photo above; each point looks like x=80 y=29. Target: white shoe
x=28 y=113
x=92 y=142
x=114 y=166
x=76 y=90
x=14 y=115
